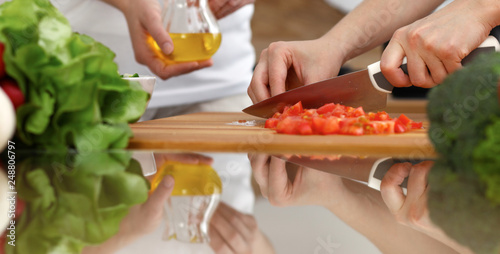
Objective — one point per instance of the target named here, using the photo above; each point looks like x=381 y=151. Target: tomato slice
x=271 y=123
x=416 y=125
x=327 y=108
x=399 y=127
x=318 y=124
x=331 y=126
x=354 y=129
x=294 y=110
x=358 y=112
x=404 y=120
x=305 y=128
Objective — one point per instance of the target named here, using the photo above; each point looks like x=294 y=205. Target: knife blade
x=367 y=88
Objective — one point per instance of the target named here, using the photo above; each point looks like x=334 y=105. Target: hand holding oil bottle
x=161 y=48
x=193 y=29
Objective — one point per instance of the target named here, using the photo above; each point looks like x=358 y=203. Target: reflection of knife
x=367 y=88
x=369 y=171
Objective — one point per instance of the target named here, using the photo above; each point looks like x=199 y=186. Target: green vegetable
x=487 y=161
x=74 y=95
x=457 y=205
x=464 y=197
x=461 y=108
x=74 y=200
x=126 y=75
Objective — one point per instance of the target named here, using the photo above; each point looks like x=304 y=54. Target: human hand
x=285 y=184
x=144 y=23
x=144 y=218
x=231 y=231
x=411 y=210
x=222 y=8
x=286 y=65
x=435 y=46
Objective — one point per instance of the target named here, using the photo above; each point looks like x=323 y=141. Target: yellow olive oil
x=190 y=46
x=190 y=179
x=196 y=195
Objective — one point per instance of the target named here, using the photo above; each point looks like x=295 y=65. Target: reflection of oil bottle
x=195 y=197
x=193 y=29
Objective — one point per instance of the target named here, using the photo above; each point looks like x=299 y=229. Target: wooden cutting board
x=239 y=132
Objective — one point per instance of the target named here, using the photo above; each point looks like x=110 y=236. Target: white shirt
x=348 y=6
x=233 y=62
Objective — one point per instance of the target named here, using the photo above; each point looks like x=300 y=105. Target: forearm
x=373 y=22
x=488 y=11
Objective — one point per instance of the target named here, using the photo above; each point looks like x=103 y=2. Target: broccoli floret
x=487 y=161
x=461 y=108
x=457 y=205
x=464 y=197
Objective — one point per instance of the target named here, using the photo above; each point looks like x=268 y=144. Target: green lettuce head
x=74 y=95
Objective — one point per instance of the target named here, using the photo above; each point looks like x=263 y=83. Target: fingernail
x=167 y=48
x=168 y=181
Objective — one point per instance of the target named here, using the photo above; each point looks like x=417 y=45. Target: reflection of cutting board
x=239 y=132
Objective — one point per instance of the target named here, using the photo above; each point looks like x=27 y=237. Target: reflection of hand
x=411 y=210
x=286 y=65
x=144 y=20
x=436 y=45
x=142 y=219
x=222 y=8
x=300 y=186
x=234 y=232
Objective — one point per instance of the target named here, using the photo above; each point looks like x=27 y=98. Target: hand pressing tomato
x=10 y=88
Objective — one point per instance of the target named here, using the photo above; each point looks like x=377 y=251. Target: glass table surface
x=161 y=201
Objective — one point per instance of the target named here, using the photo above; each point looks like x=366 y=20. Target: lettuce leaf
x=70 y=81
x=75 y=199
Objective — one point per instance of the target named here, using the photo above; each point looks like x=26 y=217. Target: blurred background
x=289 y=20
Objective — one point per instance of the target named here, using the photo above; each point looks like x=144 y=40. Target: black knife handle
x=380 y=83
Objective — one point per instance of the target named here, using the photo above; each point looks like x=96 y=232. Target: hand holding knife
x=367 y=88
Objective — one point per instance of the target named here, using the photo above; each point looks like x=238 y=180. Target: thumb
x=154 y=27
x=161 y=194
x=392 y=194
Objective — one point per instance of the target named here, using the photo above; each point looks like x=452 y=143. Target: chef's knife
x=367 y=88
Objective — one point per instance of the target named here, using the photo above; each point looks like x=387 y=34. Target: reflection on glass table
x=394 y=205
x=114 y=202
x=102 y=202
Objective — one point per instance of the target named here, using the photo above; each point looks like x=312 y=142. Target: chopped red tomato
x=404 y=119
x=338 y=119
x=327 y=108
x=416 y=125
x=294 y=110
x=358 y=112
x=399 y=127
x=331 y=126
x=271 y=123
x=318 y=124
